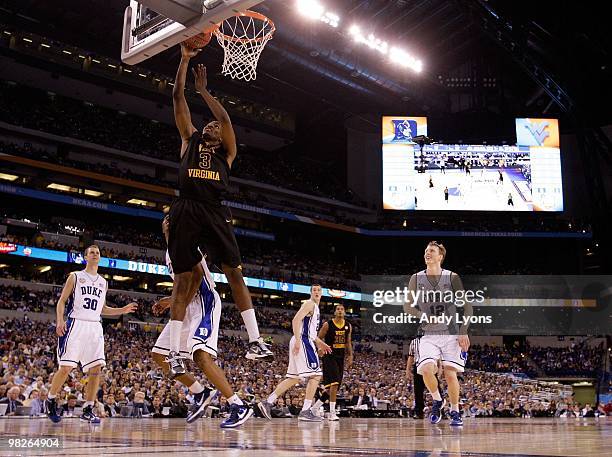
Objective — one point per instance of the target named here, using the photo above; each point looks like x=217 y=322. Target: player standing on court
x=199 y=337
x=438 y=342
x=197 y=218
x=303 y=357
x=82 y=302
x=337 y=334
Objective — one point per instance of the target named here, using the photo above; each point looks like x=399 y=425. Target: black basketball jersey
x=337 y=337
x=204 y=171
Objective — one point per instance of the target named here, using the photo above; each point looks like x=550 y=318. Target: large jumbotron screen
x=523 y=177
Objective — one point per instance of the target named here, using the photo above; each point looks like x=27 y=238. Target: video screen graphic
x=525 y=177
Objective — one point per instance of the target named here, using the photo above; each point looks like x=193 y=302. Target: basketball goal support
x=152 y=26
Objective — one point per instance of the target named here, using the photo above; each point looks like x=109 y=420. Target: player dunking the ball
x=198 y=221
x=449 y=344
x=303 y=357
x=79 y=331
x=337 y=333
x=199 y=336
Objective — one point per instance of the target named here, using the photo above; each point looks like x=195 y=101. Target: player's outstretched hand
x=161 y=305
x=464 y=342
x=130 y=308
x=323 y=347
x=199 y=74
x=60 y=327
x=188 y=52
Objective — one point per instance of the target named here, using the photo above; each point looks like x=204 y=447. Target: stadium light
x=401 y=57
x=396 y=55
x=312 y=9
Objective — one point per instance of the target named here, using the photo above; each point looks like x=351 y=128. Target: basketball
x=198 y=41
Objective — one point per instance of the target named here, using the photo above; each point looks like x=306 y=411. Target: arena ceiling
x=456 y=39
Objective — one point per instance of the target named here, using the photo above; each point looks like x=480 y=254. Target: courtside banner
x=526 y=305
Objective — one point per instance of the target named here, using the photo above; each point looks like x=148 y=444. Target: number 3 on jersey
x=205 y=160
x=90 y=303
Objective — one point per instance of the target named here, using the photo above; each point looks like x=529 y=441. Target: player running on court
x=449 y=344
x=303 y=358
x=199 y=336
x=198 y=220
x=79 y=331
x=337 y=333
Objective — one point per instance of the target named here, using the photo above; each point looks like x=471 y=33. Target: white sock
x=196 y=388
x=317 y=405
x=250 y=322
x=272 y=398
x=455 y=407
x=51 y=397
x=307 y=405
x=436 y=396
x=175 y=335
x=332 y=407
x=88 y=403
x=235 y=400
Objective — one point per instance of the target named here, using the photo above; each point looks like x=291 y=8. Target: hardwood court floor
x=288 y=437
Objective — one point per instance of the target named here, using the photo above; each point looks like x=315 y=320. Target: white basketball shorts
x=432 y=348
x=200 y=330
x=82 y=343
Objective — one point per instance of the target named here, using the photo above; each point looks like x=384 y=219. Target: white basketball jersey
x=433 y=304
x=88 y=297
x=310 y=324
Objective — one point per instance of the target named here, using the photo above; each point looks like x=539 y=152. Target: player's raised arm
x=182 y=116
x=60 y=326
x=228 y=138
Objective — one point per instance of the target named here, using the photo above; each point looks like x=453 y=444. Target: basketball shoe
x=176 y=364
x=89 y=416
x=239 y=414
x=436 y=412
x=456 y=419
x=259 y=350
x=52 y=411
x=266 y=409
x=333 y=416
x=202 y=400
x=309 y=416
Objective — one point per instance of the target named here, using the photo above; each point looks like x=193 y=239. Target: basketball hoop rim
x=254 y=14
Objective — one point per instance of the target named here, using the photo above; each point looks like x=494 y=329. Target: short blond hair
x=91 y=246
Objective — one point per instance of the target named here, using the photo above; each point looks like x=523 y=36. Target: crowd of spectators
x=132 y=379
x=27 y=300
x=575 y=360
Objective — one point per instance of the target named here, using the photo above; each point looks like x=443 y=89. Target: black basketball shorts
x=196 y=226
x=333 y=370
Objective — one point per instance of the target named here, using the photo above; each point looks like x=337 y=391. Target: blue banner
x=150 y=268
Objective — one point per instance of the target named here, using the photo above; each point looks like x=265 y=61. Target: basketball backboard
x=152 y=26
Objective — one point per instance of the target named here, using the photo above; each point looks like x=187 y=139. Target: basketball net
x=243 y=38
